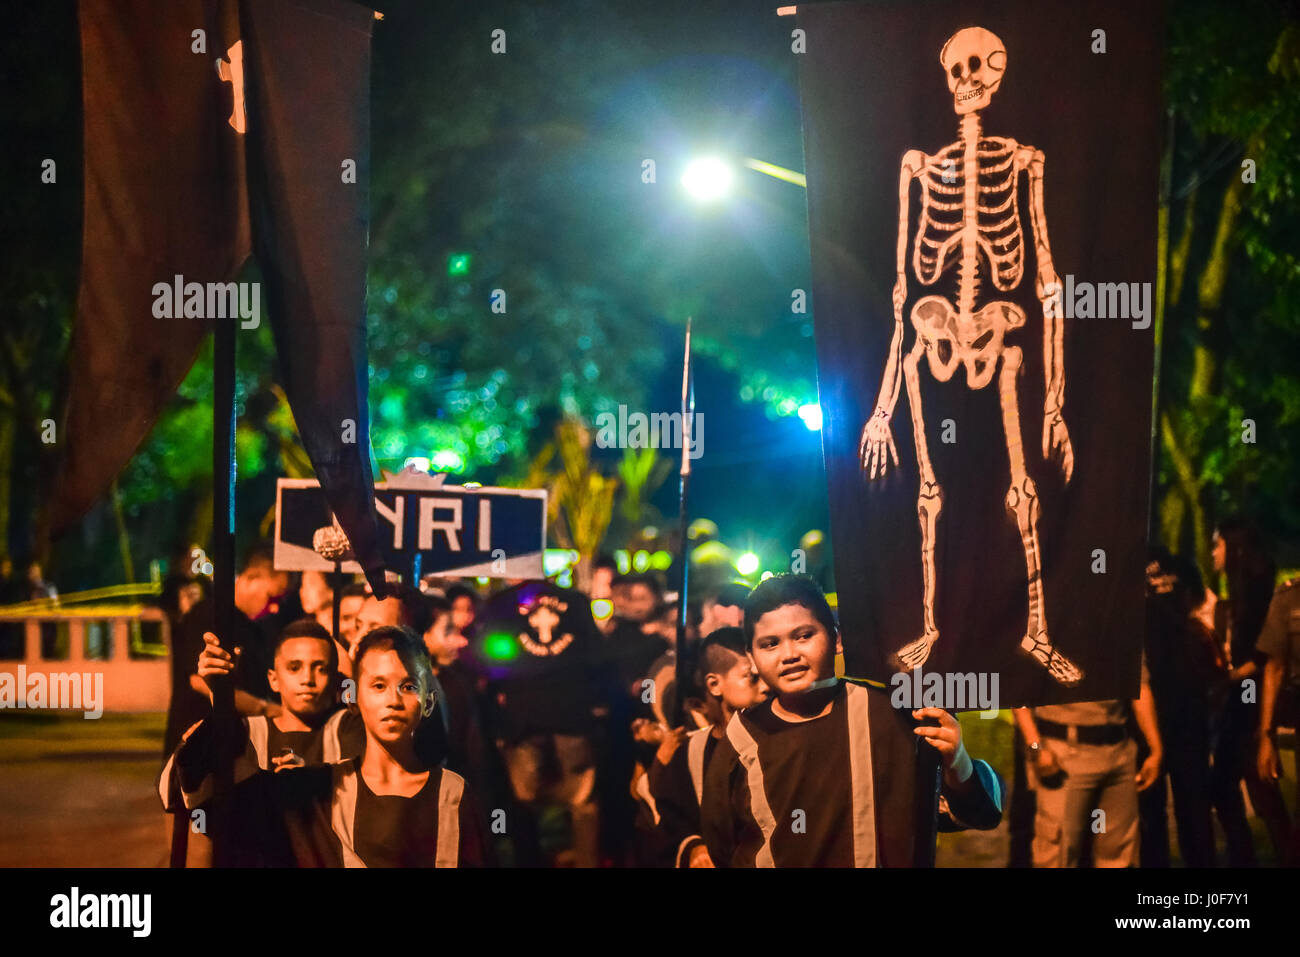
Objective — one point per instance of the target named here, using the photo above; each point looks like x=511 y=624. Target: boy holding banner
x=825 y=772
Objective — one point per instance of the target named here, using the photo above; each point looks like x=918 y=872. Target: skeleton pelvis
x=974 y=341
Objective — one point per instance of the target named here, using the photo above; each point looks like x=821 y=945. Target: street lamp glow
x=812 y=416
x=747 y=563
x=707 y=179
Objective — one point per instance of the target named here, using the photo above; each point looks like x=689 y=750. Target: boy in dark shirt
x=310 y=728
x=729 y=683
x=824 y=773
x=386 y=807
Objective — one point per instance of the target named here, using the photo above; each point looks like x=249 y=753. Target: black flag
x=201 y=118
x=982 y=189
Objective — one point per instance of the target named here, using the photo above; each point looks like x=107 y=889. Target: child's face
x=302 y=676
x=792 y=651
x=443 y=642
x=377 y=613
x=349 y=608
x=462 y=612
x=389 y=697
x=738 y=686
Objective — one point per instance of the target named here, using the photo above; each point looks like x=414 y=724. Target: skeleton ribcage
x=999 y=249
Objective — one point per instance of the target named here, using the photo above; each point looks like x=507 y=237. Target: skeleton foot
x=914 y=654
x=1057 y=665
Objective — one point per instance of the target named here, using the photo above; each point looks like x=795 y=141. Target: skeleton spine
x=968 y=270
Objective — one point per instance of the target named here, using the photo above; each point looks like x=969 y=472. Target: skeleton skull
x=974 y=60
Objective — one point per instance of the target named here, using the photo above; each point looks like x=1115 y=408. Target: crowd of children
x=442 y=728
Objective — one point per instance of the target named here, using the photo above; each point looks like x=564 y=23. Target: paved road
x=78 y=793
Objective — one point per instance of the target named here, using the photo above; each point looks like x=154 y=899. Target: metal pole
x=682 y=663
x=223 y=563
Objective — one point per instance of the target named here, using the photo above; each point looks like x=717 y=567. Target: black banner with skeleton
x=982 y=189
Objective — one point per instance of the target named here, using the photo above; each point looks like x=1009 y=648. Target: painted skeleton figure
x=970 y=223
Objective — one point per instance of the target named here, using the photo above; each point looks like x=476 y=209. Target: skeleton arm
x=1056 y=437
x=877 y=441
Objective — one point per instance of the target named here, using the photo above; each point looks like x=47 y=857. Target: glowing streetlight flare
x=707 y=179
x=812 y=416
x=747 y=563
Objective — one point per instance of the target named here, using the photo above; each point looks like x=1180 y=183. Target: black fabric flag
x=268 y=127
x=982 y=190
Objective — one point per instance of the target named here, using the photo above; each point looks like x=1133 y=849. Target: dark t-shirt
x=539 y=647
x=307 y=745
x=791 y=801
x=395 y=831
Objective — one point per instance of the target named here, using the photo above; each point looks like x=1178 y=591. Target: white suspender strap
x=864 y=802
x=331 y=750
x=747 y=750
x=695 y=746
x=343 y=810
x=258 y=733
x=450 y=790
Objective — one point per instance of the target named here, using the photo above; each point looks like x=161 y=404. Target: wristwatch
x=1034 y=749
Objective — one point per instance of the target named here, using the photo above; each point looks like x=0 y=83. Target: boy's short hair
x=787 y=589
x=416 y=613
x=258 y=555
x=307 y=628
x=438 y=604
x=462 y=591
x=354 y=590
x=732 y=596
x=718 y=653
x=650 y=580
x=409 y=647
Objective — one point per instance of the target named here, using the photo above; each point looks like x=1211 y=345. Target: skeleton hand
x=877 y=440
x=1056 y=440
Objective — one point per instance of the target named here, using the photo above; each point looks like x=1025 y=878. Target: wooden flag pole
x=682 y=662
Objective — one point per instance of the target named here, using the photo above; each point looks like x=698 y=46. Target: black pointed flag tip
x=188 y=168
x=307 y=90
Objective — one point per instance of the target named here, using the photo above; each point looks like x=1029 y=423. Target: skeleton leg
x=1022 y=502
x=929 y=502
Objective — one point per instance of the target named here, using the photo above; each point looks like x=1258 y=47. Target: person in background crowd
x=1279 y=706
x=11 y=593
x=464 y=611
x=548 y=698
x=180 y=593
x=728 y=684
x=1082 y=762
x=255 y=586
x=1242 y=558
x=1186 y=666
x=603 y=573
x=726 y=609
x=352 y=599
x=317 y=598
x=37 y=586
x=465 y=743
